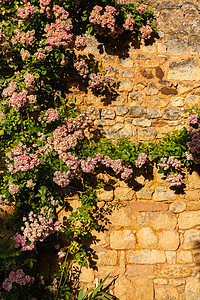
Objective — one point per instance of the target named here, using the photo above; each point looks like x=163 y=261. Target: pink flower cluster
x=53 y=286
x=105 y=23
x=45 y=7
x=13 y=188
x=60 y=12
x=141 y=8
x=62 y=178
x=18 y=277
x=59 y=33
x=80 y=41
x=194 y=145
x=98 y=80
x=24 y=38
x=37 y=228
x=19 y=100
x=146 y=32
x=29 y=81
x=25 y=54
x=26 y=12
x=51 y=115
x=174 y=179
x=20 y=240
x=117 y=167
x=171 y=161
x=23 y=160
x=82 y=68
x=193 y=118
x=40 y=54
x=129 y=23
x=142 y=158
x=12 y=87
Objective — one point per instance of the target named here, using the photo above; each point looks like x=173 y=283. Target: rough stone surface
x=164 y=194
x=144 y=193
x=122 y=239
x=184 y=257
x=120 y=217
x=137 y=112
x=168 y=240
x=186 y=69
x=166 y=293
x=121 y=110
x=147 y=134
x=146 y=257
x=189 y=219
x=106 y=194
x=87 y=275
x=177 y=207
x=108 y=113
x=124 y=194
x=170 y=114
x=192 y=289
x=173 y=271
x=141 y=122
x=146 y=238
x=163 y=220
x=191 y=239
x=125 y=86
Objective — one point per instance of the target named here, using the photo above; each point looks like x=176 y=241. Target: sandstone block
x=163 y=220
x=124 y=194
x=177 y=46
x=146 y=238
x=128 y=74
x=170 y=114
x=140 y=288
x=146 y=257
x=139 y=270
x=148 y=206
x=108 y=113
x=186 y=69
x=144 y=193
x=141 y=122
x=147 y=134
x=137 y=112
x=169 y=240
x=138 y=98
x=191 y=239
x=94 y=113
x=127 y=130
x=86 y=275
x=192 y=289
x=171 y=257
x=106 y=257
x=177 y=101
x=152 y=89
x=192 y=100
x=194 y=180
x=123 y=239
x=163 y=194
x=166 y=292
x=106 y=194
x=120 y=217
x=172 y=271
x=177 y=207
x=125 y=86
x=126 y=62
x=121 y=110
x=189 y=219
x=184 y=257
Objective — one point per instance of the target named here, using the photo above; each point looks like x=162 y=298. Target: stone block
x=126 y=62
x=163 y=220
x=171 y=257
x=189 y=219
x=186 y=69
x=148 y=206
x=191 y=239
x=194 y=180
x=166 y=292
x=108 y=114
x=122 y=239
x=121 y=110
x=140 y=288
x=146 y=257
x=147 y=134
x=177 y=207
x=192 y=289
x=152 y=89
x=170 y=114
x=125 y=86
x=192 y=100
x=146 y=238
x=128 y=74
x=137 y=98
x=86 y=275
x=106 y=257
x=172 y=271
x=177 y=101
x=105 y=194
x=177 y=46
x=169 y=240
x=120 y=217
x=139 y=270
x=141 y=122
x=127 y=131
x=137 y=112
x=124 y=194
x=164 y=194
x=184 y=257
x=144 y=193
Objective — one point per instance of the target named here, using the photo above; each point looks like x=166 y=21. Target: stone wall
x=151 y=247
